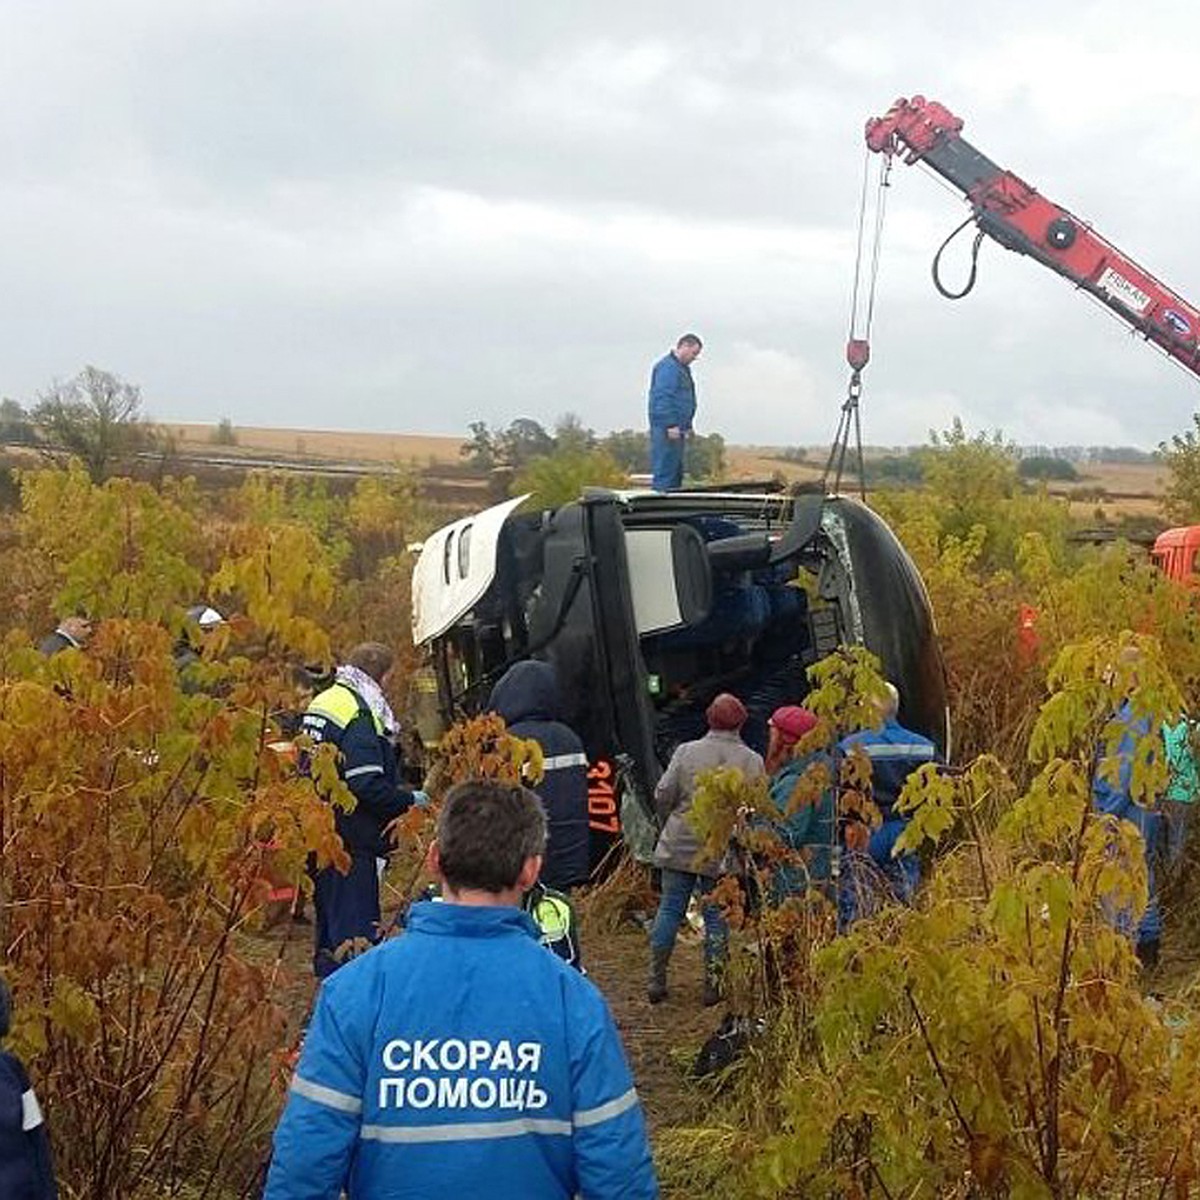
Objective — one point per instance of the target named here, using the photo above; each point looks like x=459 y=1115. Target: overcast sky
x=406 y=216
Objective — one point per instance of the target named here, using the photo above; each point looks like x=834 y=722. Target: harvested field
x=404 y=448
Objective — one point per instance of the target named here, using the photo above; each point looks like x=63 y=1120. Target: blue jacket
x=895 y=752
x=1116 y=800
x=527 y=697
x=461 y=1060
x=672 y=394
x=367 y=762
x=26 y=1172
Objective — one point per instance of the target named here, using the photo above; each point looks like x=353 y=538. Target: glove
x=420 y=799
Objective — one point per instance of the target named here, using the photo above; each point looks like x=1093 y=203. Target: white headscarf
x=372 y=696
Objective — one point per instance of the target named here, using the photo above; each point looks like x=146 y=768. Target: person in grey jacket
x=679 y=845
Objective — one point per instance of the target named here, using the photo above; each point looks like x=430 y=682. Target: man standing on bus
x=672 y=411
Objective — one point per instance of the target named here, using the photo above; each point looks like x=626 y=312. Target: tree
x=224 y=434
x=515 y=447
x=705 y=457
x=1045 y=466
x=522 y=442
x=16 y=428
x=481 y=449
x=571 y=435
x=1182 y=457
x=95 y=417
x=630 y=448
x=899 y=469
x=560 y=478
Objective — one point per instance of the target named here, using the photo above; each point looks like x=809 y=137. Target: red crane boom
x=1007 y=209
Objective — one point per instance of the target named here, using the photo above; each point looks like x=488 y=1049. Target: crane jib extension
x=1018 y=217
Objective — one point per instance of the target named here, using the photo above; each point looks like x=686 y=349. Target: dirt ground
x=661 y=1040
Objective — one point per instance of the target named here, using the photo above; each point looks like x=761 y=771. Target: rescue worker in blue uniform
x=895 y=752
x=528 y=698
x=672 y=411
x=460 y=1059
x=353 y=714
x=26 y=1169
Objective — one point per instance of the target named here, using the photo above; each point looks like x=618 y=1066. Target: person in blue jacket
x=1115 y=799
x=26 y=1168
x=460 y=1059
x=353 y=714
x=672 y=411
x=895 y=753
x=528 y=699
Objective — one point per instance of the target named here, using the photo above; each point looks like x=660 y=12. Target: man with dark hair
x=672 y=411
x=461 y=1059
x=354 y=715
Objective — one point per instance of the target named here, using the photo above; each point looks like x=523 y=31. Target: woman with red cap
x=805 y=799
x=679 y=845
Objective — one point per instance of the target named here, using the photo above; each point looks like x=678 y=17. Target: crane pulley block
x=858 y=353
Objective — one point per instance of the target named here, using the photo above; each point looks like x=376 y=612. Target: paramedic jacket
x=895 y=753
x=367 y=765
x=461 y=1059
x=528 y=699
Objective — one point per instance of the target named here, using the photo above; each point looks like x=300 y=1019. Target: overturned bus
x=648 y=604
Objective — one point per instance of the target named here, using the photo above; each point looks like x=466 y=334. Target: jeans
x=859 y=885
x=666 y=459
x=677 y=889
x=347 y=910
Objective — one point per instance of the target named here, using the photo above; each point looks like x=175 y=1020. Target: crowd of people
x=473 y=1046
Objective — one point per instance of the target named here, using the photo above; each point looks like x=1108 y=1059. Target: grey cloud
x=409 y=216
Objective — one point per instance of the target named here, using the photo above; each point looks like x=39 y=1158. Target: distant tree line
x=579 y=455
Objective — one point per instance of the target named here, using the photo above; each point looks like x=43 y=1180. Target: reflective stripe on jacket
x=367 y=764
x=26 y=1170
x=461 y=1060
x=528 y=698
x=895 y=753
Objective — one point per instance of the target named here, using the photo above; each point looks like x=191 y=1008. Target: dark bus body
x=648 y=604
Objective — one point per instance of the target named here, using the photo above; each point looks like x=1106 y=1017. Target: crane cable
x=858 y=344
